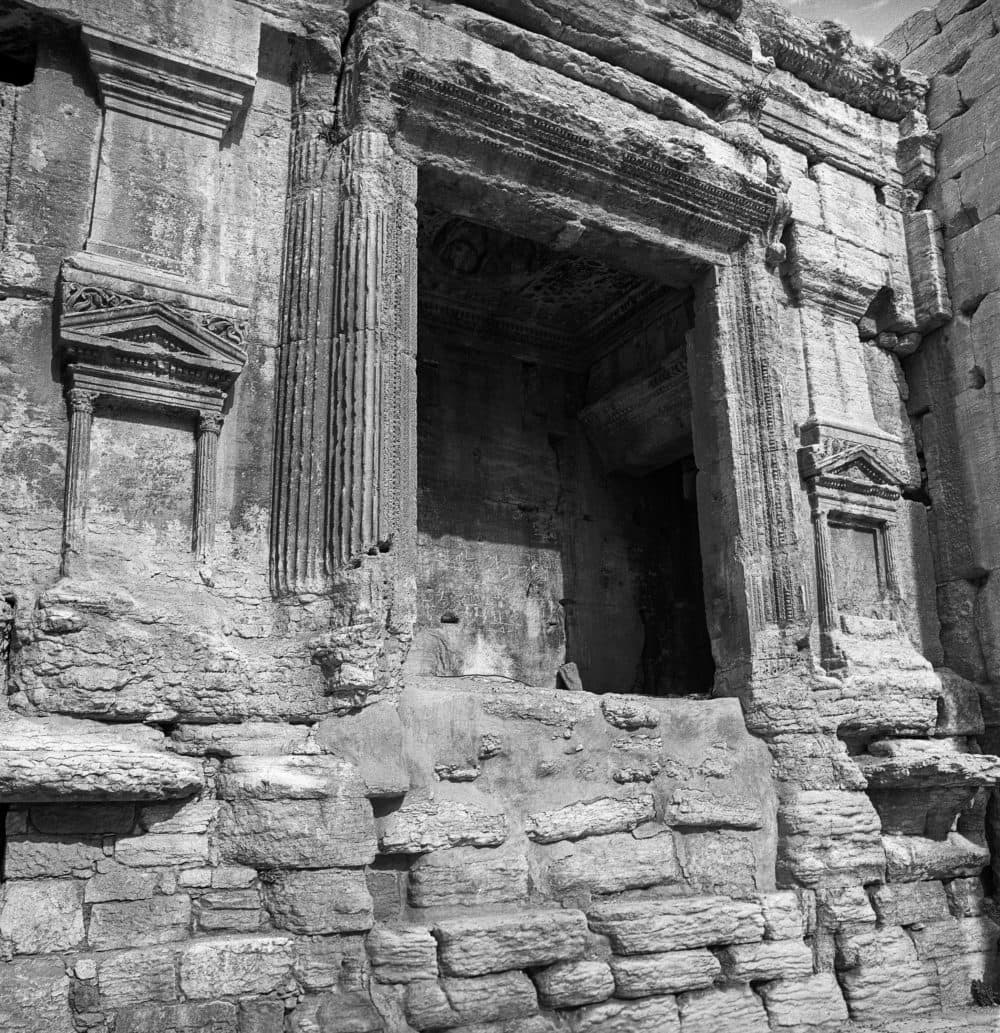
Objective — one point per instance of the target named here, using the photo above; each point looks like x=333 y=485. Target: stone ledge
x=74 y=761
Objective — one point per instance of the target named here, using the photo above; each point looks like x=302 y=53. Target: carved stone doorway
x=556 y=499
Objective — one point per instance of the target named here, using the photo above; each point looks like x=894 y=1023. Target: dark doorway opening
x=556 y=517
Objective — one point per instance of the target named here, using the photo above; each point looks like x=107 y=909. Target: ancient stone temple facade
x=498 y=518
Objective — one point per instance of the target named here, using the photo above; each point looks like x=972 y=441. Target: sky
x=870 y=20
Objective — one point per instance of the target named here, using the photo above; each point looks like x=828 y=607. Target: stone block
x=39 y=857
x=569 y=984
x=723 y=862
x=41 y=916
x=120 y=883
x=149 y=851
x=402 y=954
x=784 y=915
x=613 y=864
x=138 y=977
x=880 y=993
x=909 y=903
x=34 y=995
x=646 y=975
x=235 y=965
x=335 y=1013
x=266 y=1015
x=497 y=943
x=294 y=812
x=467 y=877
x=649 y=1015
x=491 y=998
x=139 y=923
x=319 y=902
x=953 y=937
x=913 y=859
x=813 y=1005
x=179 y=816
x=249 y=739
x=708 y=1011
x=677 y=923
x=426 y=823
x=230 y=911
x=213 y=1017
x=597 y=817
x=779 y=959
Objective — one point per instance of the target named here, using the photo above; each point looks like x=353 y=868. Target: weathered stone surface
x=179 y=817
x=139 y=923
x=628 y=712
x=294 y=812
x=44 y=762
x=402 y=955
x=35 y=857
x=149 y=850
x=611 y=864
x=217 y=1016
x=568 y=984
x=805 y=1005
x=121 y=883
x=235 y=965
x=884 y=977
x=785 y=916
x=424 y=823
x=650 y=1015
x=475 y=946
x=319 y=902
x=34 y=995
x=41 y=916
x=679 y=923
x=707 y=1011
x=459 y=1002
x=649 y=974
x=590 y=818
x=138 y=977
x=912 y=859
x=337 y=1013
x=907 y=903
x=781 y=959
x=468 y=877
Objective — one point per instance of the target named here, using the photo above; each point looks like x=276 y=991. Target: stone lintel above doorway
x=477 y=119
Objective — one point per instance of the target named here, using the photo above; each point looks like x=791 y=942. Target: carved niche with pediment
x=135 y=354
x=854 y=491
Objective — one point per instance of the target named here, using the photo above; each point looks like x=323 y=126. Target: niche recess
x=556 y=504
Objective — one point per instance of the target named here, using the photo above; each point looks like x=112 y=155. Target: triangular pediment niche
x=858 y=467
x=152 y=354
x=154 y=328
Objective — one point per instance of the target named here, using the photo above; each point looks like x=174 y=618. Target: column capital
x=209 y=423
x=82 y=400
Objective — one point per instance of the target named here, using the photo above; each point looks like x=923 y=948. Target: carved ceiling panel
x=483 y=281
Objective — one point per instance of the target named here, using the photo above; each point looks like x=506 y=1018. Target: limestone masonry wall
x=497 y=517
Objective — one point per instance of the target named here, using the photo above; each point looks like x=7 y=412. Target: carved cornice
x=149 y=83
x=725 y=212
x=825 y=57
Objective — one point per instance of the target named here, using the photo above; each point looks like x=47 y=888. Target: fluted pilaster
x=205 y=460
x=81 y=418
x=345 y=452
